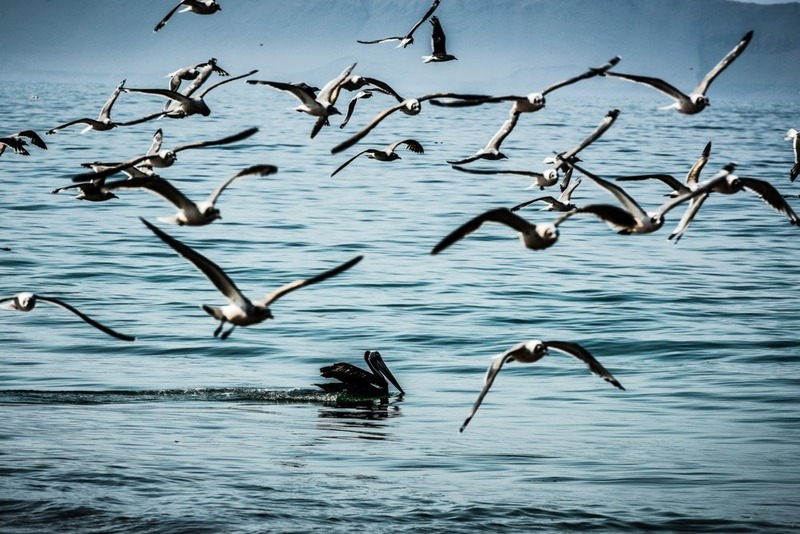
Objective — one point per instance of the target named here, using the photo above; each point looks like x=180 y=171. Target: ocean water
x=182 y=432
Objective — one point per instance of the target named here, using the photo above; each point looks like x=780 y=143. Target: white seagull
x=240 y=311
x=692 y=177
x=438 y=44
x=727 y=183
x=696 y=101
x=492 y=149
x=387 y=154
x=320 y=105
x=408 y=38
x=532 y=351
x=17 y=143
x=201 y=72
x=156 y=157
x=200 y=7
x=563 y=203
x=103 y=121
x=792 y=136
x=26 y=301
x=190 y=213
x=181 y=105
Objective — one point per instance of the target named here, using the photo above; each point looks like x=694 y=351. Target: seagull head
x=535 y=350
x=791 y=134
x=24 y=301
x=536 y=100
x=700 y=101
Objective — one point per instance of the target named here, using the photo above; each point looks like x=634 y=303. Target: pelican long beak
x=377 y=361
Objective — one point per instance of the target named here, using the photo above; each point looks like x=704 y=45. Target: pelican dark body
x=357 y=381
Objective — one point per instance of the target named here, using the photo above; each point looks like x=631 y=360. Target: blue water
x=182 y=432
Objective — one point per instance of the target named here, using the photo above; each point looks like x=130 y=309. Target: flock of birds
x=626 y=217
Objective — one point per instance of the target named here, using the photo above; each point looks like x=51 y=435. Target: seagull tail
x=213 y=311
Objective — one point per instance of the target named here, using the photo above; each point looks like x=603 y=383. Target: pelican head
x=375 y=362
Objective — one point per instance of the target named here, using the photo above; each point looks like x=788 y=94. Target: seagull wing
x=702 y=87
x=688 y=216
x=212 y=271
x=34 y=138
x=156 y=185
x=498 y=215
x=655 y=83
x=670 y=180
x=438 y=38
x=351 y=107
x=226 y=80
x=425 y=17
x=367 y=129
x=261 y=170
x=491 y=373
x=767 y=192
x=693 y=176
x=624 y=198
x=166 y=18
x=244 y=134
x=330 y=91
x=547 y=198
x=155 y=146
x=349 y=161
x=532 y=174
x=592 y=72
x=615 y=216
x=105 y=113
x=166 y=93
x=411 y=144
x=86 y=318
x=384 y=87
x=573 y=349
x=303 y=95
x=297 y=284
x=604 y=125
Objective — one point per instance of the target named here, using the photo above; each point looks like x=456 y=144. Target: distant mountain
x=514 y=46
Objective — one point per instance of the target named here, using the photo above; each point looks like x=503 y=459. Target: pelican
x=240 y=311
x=200 y=7
x=531 y=102
x=408 y=38
x=190 y=213
x=156 y=157
x=387 y=154
x=103 y=121
x=792 y=136
x=438 y=44
x=356 y=381
x=181 y=105
x=26 y=301
x=17 y=143
x=696 y=101
x=727 y=183
x=532 y=351
x=321 y=105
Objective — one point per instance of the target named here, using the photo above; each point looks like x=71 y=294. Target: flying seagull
x=408 y=38
x=190 y=213
x=691 y=181
x=356 y=381
x=438 y=44
x=387 y=154
x=26 y=301
x=696 y=101
x=792 y=136
x=240 y=311
x=201 y=71
x=200 y=7
x=563 y=203
x=17 y=143
x=532 y=351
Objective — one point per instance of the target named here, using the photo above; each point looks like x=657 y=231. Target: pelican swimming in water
x=357 y=381
x=240 y=311
x=533 y=351
x=696 y=101
x=26 y=301
x=200 y=7
x=408 y=38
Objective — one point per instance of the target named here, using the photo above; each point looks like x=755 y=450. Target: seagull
x=92 y=191
x=386 y=154
x=492 y=149
x=563 y=203
x=180 y=105
x=321 y=105
x=201 y=7
x=103 y=121
x=642 y=221
x=240 y=311
x=678 y=188
x=532 y=351
x=438 y=40
x=531 y=102
x=26 y=301
x=190 y=213
x=370 y=86
x=696 y=101
x=532 y=236
x=409 y=106
x=560 y=161
x=356 y=381
x=156 y=157
x=727 y=183
x=200 y=71
x=408 y=39
x=17 y=143
x=792 y=136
